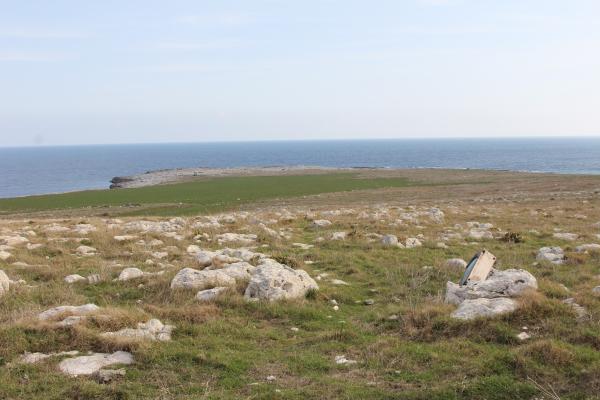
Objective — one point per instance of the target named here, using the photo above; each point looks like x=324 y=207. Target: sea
x=52 y=169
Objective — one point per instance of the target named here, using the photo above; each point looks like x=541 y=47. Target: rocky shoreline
x=162 y=176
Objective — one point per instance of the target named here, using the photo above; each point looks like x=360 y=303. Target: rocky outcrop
x=483 y=307
x=480 y=298
x=274 y=281
x=120 y=182
x=189 y=278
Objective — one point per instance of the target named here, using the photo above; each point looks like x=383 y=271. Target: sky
x=137 y=71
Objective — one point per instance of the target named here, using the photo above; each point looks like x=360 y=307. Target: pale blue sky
x=113 y=71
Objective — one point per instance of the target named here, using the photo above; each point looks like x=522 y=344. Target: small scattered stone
x=342 y=360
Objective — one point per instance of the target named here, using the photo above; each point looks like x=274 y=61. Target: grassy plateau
x=388 y=315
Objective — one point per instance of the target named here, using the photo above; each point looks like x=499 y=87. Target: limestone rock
x=389 y=240
x=554 y=255
x=412 y=242
x=303 y=246
x=74 y=278
x=480 y=234
x=205 y=258
x=130 y=273
x=193 y=249
x=72 y=310
x=588 y=248
x=484 y=307
x=338 y=236
x=210 y=294
x=85 y=251
x=5 y=255
x=189 y=278
x=246 y=238
x=274 y=281
x=13 y=241
x=151 y=330
x=565 y=236
x=33 y=358
x=87 y=365
x=240 y=271
x=320 y=223
x=507 y=283
x=124 y=238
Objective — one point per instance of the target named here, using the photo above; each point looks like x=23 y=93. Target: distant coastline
x=44 y=170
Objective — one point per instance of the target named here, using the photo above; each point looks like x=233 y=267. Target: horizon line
x=306 y=140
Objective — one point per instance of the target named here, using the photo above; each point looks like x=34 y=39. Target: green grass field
x=405 y=343
x=207 y=195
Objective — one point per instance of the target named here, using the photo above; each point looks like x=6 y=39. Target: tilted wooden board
x=483 y=266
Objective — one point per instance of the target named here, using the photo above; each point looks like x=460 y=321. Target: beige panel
x=483 y=266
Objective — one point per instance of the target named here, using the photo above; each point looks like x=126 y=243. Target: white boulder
x=189 y=278
x=74 y=278
x=484 y=307
x=554 y=255
x=130 y=273
x=87 y=365
x=390 y=240
x=274 y=281
x=72 y=310
x=507 y=283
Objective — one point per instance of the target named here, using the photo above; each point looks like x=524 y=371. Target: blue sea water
x=37 y=170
